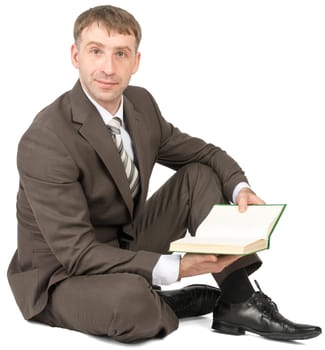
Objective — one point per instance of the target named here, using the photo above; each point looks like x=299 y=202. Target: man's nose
x=108 y=65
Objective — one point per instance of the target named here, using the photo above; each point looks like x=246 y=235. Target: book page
x=216 y=240
x=227 y=223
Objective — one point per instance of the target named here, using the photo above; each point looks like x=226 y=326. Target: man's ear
x=75 y=56
x=137 y=63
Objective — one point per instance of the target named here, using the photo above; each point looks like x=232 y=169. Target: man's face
x=105 y=63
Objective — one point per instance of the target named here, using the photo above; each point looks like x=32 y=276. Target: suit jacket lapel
x=133 y=121
x=94 y=131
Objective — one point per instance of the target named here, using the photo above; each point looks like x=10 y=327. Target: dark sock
x=236 y=288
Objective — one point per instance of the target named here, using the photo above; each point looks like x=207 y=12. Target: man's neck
x=112 y=110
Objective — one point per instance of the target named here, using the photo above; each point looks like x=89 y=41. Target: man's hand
x=245 y=197
x=198 y=264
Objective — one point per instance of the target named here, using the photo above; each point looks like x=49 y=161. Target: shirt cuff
x=166 y=270
x=240 y=186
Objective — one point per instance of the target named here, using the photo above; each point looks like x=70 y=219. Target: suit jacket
x=74 y=200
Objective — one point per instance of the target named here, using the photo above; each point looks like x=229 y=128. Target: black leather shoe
x=260 y=315
x=191 y=301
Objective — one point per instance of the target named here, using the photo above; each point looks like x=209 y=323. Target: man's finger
x=242 y=204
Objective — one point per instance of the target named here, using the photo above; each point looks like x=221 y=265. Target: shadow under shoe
x=259 y=315
x=191 y=301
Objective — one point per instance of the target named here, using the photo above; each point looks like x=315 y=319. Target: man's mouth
x=106 y=83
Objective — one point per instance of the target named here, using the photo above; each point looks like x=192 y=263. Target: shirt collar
x=104 y=113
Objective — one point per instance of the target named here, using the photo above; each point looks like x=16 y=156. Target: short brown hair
x=113 y=18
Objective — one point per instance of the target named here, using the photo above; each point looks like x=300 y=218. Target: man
x=91 y=248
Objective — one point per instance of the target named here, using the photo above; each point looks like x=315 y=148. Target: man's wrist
x=166 y=270
x=237 y=189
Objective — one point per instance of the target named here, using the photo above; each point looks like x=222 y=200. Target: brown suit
x=74 y=206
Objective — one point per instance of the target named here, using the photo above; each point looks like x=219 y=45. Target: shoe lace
x=269 y=306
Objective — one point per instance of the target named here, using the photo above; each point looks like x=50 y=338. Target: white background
x=251 y=73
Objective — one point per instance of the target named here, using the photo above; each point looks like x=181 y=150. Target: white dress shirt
x=166 y=270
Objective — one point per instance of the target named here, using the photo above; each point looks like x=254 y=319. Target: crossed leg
x=124 y=306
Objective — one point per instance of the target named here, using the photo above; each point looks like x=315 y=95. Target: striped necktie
x=132 y=174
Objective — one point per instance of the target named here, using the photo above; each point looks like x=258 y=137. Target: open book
x=227 y=231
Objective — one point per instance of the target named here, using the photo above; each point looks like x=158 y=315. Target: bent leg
x=121 y=306
x=181 y=204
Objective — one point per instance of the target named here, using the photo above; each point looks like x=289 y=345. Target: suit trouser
x=124 y=306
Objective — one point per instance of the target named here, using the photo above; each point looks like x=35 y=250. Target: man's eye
x=120 y=54
x=95 y=51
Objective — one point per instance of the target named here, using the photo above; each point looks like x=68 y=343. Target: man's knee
x=200 y=173
x=203 y=183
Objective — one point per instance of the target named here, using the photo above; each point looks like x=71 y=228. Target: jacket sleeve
x=50 y=180
x=178 y=149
